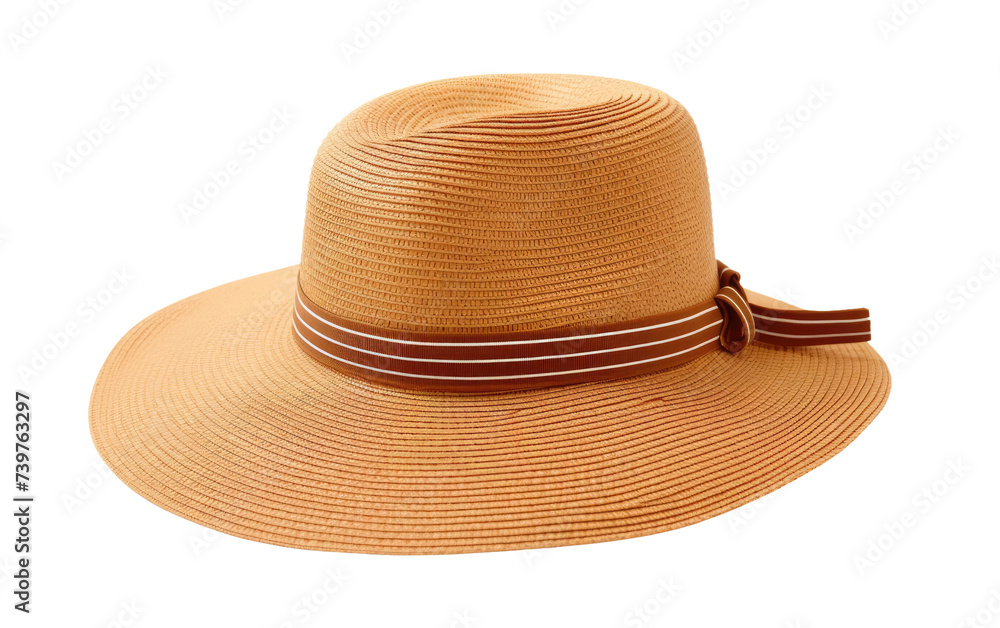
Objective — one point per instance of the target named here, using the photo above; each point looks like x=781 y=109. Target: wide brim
x=210 y=410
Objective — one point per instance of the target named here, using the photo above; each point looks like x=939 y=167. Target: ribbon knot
x=738 y=327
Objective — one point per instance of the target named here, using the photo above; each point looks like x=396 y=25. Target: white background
x=791 y=560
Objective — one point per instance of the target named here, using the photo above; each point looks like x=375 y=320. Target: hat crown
x=510 y=202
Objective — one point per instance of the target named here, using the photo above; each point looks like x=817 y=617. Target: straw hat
x=508 y=330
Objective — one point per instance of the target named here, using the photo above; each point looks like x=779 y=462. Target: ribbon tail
x=804 y=328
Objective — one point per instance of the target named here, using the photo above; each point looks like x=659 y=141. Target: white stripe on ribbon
x=501 y=360
x=503 y=342
x=497 y=377
x=774 y=333
x=793 y=320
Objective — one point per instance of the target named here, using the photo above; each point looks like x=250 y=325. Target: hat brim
x=210 y=410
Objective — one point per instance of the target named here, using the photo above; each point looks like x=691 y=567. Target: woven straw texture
x=498 y=203
x=476 y=204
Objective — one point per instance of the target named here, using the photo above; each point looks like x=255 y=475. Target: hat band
x=569 y=355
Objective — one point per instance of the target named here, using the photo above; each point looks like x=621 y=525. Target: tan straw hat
x=508 y=330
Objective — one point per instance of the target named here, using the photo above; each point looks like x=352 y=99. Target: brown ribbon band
x=569 y=355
